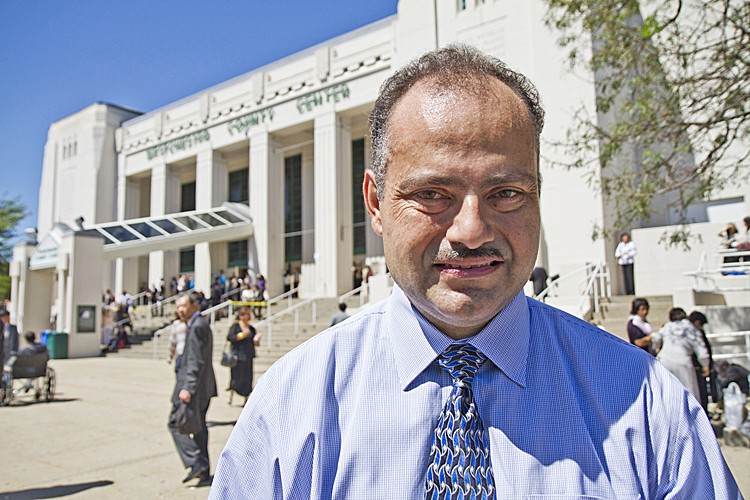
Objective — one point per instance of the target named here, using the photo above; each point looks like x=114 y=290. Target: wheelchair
x=27 y=373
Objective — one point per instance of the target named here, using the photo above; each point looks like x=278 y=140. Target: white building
x=289 y=140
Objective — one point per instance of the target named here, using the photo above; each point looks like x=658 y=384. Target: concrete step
x=614 y=314
x=282 y=339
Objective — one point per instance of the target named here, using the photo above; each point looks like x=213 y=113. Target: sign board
x=45 y=253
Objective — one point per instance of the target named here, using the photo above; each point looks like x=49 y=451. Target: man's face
x=5 y=319
x=185 y=308
x=459 y=213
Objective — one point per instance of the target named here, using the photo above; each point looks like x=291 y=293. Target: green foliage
x=12 y=211
x=4 y=281
x=673 y=92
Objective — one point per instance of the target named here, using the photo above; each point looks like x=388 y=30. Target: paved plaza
x=105 y=435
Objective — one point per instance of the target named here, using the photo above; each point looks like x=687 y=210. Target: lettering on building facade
x=241 y=124
x=335 y=93
x=179 y=144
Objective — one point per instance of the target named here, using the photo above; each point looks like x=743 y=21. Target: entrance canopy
x=134 y=237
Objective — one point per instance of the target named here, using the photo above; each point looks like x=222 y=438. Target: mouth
x=467 y=269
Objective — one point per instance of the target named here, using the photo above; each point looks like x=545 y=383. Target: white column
x=158 y=207
x=308 y=204
x=333 y=205
x=128 y=203
x=210 y=191
x=165 y=195
x=267 y=209
x=62 y=267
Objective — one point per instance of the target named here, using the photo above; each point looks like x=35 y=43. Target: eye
x=507 y=193
x=428 y=194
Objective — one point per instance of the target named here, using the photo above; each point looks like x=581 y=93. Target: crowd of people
x=682 y=346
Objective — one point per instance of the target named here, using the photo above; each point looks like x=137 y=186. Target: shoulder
x=581 y=343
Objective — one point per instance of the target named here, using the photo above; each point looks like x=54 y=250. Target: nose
x=469 y=227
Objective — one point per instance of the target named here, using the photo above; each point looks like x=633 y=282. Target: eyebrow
x=419 y=181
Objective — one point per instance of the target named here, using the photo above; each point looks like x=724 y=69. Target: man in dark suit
x=10 y=336
x=196 y=384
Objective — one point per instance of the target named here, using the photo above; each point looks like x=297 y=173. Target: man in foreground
x=195 y=386
x=458 y=386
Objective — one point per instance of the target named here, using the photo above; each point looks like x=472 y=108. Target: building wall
x=315 y=103
x=79 y=169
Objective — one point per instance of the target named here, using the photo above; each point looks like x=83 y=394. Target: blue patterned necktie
x=460 y=457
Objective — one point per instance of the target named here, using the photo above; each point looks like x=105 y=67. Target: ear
x=372 y=203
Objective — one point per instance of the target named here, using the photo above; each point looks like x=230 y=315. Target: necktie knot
x=461 y=361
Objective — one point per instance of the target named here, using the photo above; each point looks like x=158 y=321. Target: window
x=238 y=186
x=187 y=260
x=237 y=253
x=359 y=217
x=187 y=198
x=461 y=5
x=293 y=208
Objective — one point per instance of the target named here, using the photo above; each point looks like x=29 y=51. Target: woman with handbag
x=243 y=339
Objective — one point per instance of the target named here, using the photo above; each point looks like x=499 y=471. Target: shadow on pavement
x=26 y=402
x=210 y=423
x=53 y=491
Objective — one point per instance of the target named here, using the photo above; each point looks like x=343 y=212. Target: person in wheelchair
x=33 y=346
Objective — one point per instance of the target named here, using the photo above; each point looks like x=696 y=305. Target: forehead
x=476 y=112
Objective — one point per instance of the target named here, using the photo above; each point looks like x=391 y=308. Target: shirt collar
x=417 y=343
x=192 y=318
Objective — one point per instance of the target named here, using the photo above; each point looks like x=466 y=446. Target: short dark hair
x=193 y=296
x=342 y=306
x=30 y=337
x=698 y=316
x=456 y=65
x=637 y=303
x=4 y=312
x=677 y=313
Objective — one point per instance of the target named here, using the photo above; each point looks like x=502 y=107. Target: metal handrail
x=268 y=321
x=135 y=298
x=286 y=295
x=359 y=289
x=742 y=333
x=353 y=292
x=557 y=281
x=597 y=284
x=704 y=278
x=231 y=292
x=591 y=286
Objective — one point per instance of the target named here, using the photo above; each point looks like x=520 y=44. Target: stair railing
x=732 y=335
x=295 y=308
x=354 y=292
x=597 y=285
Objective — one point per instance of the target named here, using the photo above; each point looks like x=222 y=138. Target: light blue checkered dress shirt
x=570 y=411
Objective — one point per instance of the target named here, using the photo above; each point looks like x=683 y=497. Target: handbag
x=229 y=356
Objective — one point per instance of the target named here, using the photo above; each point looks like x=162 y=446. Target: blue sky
x=57 y=57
